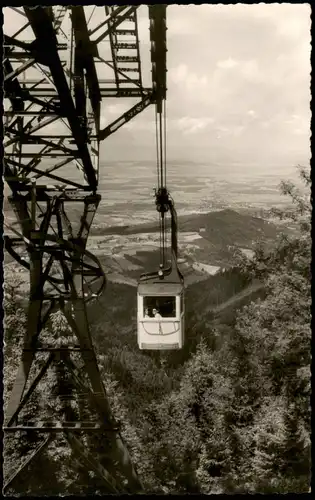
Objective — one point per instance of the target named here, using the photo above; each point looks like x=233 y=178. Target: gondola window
x=165 y=306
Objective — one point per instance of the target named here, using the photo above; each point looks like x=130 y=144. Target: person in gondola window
x=156 y=314
x=146 y=313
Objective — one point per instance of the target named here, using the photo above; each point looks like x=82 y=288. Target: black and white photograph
x=156 y=249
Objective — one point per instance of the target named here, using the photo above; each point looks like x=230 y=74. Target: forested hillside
x=230 y=413
x=220 y=227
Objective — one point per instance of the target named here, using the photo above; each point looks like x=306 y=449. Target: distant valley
x=207 y=243
x=220 y=209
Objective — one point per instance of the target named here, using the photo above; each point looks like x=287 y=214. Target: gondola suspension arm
x=157 y=14
x=161 y=194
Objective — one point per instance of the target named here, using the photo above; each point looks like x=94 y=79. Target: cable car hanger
x=164 y=203
x=157 y=290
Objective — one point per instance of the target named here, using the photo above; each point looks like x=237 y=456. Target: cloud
x=289 y=20
x=191 y=125
x=227 y=63
x=252 y=82
x=237 y=131
x=117 y=109
x=182 y=76
x=140 y=125
x=299 y=124
x=251 y=71
x=180 y=25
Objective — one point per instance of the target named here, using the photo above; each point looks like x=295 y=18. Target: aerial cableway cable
x=158 y=167
x=165 y=232
x=160 y=122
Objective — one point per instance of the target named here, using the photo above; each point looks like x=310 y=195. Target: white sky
x=238 y=86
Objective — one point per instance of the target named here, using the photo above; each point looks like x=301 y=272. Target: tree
x=242 y=410
x=277 y=331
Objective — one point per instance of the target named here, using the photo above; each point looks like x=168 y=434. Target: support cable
x=162 y=167
x=160 y=118
x=161 y=150
x=165 y=229
x=165 y=143
x=159 y=179
x=157 y=147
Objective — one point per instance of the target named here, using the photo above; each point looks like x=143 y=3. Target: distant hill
x=221 y=232
x=219 y=228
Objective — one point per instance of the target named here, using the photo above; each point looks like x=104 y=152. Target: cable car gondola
x=161 y=295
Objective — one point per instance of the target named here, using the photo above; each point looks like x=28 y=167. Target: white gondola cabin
x=161 y=309
x=161 y=313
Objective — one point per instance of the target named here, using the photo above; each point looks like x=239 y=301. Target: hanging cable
x=161 y=242
x=160 y=118
x=165 y=228
x=161 y=149
x=165 y=143
x=165 y=233
x=157 y=147
x=158 y=166
x=162 y=186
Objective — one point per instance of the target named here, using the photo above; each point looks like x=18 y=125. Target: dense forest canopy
x=229 y=414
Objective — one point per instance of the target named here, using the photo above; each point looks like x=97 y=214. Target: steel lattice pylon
x=54 y=100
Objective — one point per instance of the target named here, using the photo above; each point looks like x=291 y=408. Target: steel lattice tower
x=54 y=101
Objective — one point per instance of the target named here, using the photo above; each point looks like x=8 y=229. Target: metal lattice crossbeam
x=51 y=83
